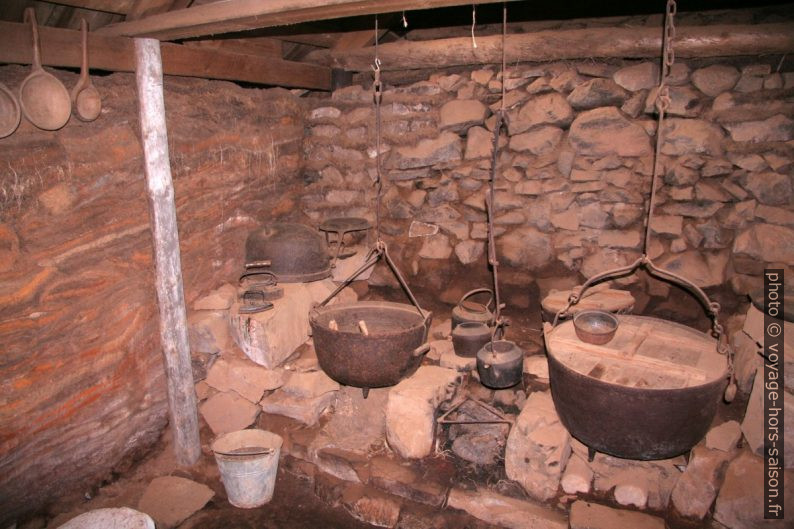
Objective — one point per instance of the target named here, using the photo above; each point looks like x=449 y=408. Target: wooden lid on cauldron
x=607 y=299
x=646 y=353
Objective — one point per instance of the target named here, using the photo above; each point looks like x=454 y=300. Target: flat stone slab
x=309 y=385
x=228 y=412
x=355 y=431
x=268 y=338
x=247 y=379
x=506 y=512
x=398 y=479
x=411 y=409
x=724 y=437
x=586 y=515
x=170 y=500
x=305 y=410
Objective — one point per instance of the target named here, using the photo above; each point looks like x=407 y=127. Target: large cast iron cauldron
x=391 y=350
x=293 y=252
x=637 y=416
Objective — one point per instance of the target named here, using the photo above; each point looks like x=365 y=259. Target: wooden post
x=168 y=269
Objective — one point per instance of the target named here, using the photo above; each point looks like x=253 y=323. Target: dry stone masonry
x=573 y=169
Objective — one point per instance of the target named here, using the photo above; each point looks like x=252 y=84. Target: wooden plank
x=357 y=39
x=61 y=47
x=121 y=7
x=260 y=46
x=239 y=15
x=183 y=412
x=576 y=346
x=641 y=42
x=144 y=8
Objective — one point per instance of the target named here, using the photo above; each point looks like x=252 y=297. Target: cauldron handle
x=372 y=258
x=644 y=261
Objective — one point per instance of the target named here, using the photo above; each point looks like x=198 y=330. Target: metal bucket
x=248 y=461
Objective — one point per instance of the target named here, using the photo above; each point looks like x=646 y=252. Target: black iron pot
x=501 y=366
x=293 y=252
x=632 y=423
x=468 y=337
x=391 y=351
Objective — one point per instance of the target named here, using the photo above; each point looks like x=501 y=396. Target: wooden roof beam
x=61 y=47
x=642 y=42
x=120 y=7
x=239 y=15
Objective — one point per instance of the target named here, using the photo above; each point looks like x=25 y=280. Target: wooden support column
x=168 y=268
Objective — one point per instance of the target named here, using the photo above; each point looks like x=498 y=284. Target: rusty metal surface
x=633 y=423
x=469 y=337
x=501 y=370
x=382 y=358
x=597 y=327
x=471 y=311
x=296 y=253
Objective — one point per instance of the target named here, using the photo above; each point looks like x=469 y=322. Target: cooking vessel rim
x=315 y=313
x=632 y=389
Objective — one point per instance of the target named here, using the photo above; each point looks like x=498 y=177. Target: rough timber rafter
x=239 y=15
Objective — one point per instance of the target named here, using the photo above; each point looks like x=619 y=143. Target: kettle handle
x=478 y=291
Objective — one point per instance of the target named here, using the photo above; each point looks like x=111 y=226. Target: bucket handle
x=260 y=452
x=470 y=293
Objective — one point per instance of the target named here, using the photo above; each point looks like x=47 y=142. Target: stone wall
x=81 y=377
x=574 y=170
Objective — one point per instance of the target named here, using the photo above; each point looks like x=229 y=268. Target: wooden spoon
x=10 y=115
x=85 y=97
x=43 y=98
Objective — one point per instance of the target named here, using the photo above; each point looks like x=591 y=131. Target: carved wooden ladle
x=43 y=98
x=85 y=97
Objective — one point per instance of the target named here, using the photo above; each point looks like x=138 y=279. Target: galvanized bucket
x=248 y=461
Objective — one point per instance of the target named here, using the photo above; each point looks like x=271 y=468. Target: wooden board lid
x=645 y=353
x=605 y=299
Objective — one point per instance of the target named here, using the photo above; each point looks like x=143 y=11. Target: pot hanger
x=379 y=250
x=644 y=261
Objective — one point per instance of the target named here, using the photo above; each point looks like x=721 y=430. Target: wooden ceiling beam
x=121 y=7
x=61 y=47
x=260 y=46
x=240 y=15
x=144 y=8
x=644 y=42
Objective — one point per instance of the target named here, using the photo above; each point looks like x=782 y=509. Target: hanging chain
x=377 y=94
x=662 y=103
